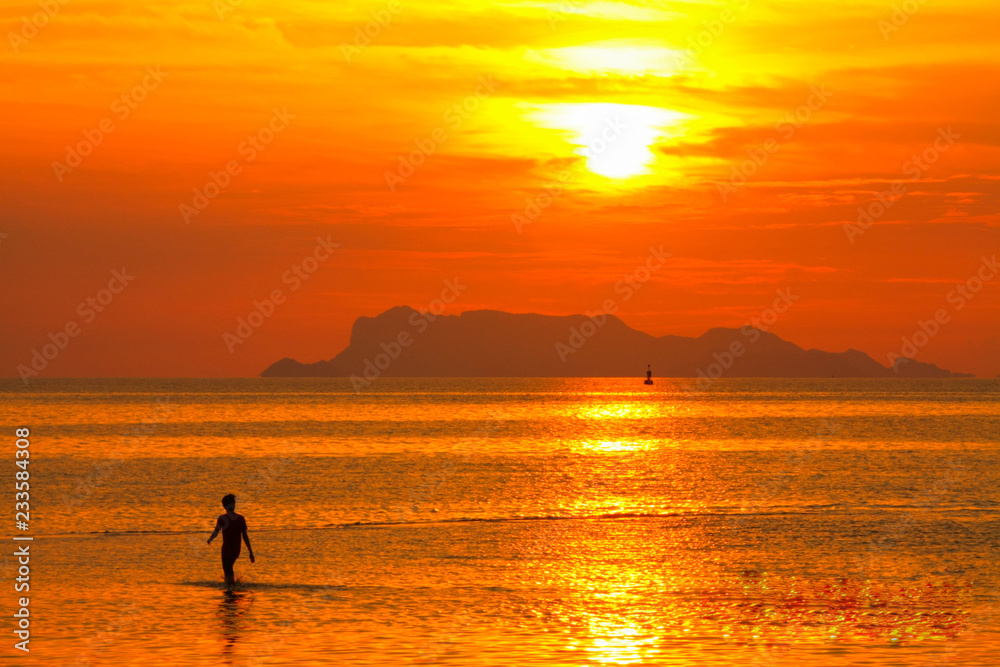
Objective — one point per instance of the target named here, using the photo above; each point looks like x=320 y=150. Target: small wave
x=804 y=510
x=766 y=512
x=263 y=585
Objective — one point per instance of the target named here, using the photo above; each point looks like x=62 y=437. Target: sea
x=562 y=522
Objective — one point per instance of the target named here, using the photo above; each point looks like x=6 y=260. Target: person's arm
x=215 y=533
x=246 y=538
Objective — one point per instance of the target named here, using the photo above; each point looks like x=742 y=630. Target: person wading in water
x=233 y=527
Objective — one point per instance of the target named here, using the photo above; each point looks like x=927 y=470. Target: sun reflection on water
x=617 y=411
x=640 y=592
x=617 y=642
x=618 y=445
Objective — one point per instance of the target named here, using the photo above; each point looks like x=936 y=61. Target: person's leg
x=227 y=569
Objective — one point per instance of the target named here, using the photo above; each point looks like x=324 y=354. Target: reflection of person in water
x=233 y=527
x=232 y=608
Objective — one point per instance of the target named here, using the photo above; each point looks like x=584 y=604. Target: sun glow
x=615 y=139
x=612 y=57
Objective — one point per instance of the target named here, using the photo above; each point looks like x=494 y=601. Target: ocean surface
x=511 y=522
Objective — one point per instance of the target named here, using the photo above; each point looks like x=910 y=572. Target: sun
x=616 y=140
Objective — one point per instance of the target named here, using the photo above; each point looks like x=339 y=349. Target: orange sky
x=497 y=101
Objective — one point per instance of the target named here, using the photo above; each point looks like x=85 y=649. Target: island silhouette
x=403 y=342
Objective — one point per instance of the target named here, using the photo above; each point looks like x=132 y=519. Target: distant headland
x=403 y=342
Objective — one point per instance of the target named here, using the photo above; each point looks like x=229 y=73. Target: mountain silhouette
x=403 y=342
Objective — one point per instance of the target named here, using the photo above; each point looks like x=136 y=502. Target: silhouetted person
x=233 y=527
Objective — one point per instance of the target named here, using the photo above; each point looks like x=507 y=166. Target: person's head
x=229 y=502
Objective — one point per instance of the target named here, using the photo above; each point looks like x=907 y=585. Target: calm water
x=513 y=522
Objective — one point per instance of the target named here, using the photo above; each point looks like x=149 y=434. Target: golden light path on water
x=616 y=642
x=616 y=410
